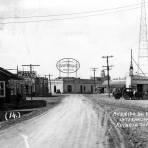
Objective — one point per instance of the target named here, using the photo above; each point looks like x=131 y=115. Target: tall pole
x=143 y=42
x=94 y=70
x=68 y=68
x=131 y=64
x=17 y=70
x=108 y=69
x=49 y=83
x=31 y=65
x=131 y=70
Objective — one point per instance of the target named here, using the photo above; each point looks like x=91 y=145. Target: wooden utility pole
x=108 y=69
x=31 y=65
x=49 y=76
x=94 y=70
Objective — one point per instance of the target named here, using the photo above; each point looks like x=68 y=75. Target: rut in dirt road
x=72 y=124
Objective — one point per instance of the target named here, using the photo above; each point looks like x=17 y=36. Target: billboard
x=68 y=65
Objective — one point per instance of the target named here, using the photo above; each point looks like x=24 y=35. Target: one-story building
x=34 y=85
x=10 y=86
x=138 y=82
x=74 y=85
x=41 y=86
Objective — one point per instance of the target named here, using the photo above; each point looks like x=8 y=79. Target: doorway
x=69 y=88
x=91 y=89
x=81 y=89
x=55 y=89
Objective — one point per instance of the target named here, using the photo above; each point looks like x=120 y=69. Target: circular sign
x=68 y=65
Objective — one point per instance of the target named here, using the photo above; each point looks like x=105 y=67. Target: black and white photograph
x=73 y=74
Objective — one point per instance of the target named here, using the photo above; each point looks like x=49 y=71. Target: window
x=2 y=89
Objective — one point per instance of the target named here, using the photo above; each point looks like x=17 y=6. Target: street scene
x=73 y=74
x=81 y=121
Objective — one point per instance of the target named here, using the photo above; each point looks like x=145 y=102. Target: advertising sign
x=27 y=74
x=68 y=65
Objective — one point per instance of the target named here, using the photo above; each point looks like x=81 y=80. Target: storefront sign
x=27 y=74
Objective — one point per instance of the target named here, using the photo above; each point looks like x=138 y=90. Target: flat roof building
x=74 y=85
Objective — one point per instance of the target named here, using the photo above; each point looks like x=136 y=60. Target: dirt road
x=72 y=124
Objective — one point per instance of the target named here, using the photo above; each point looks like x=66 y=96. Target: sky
x=85 y=39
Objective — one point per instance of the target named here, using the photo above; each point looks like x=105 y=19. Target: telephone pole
x=108 y=69
x=49 y=76
x=94 y=70
x=31 y=66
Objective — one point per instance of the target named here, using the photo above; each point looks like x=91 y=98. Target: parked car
x=117 y=93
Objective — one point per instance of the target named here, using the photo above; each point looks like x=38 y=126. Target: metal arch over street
x=68 y=65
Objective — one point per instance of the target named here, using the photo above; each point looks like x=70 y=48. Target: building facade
x=41 y=86
x=139 y=83
x=10 y=86
x=74 y=85
x=34 y=85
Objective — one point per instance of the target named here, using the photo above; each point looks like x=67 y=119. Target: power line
x=68 y=18
x=73 y=13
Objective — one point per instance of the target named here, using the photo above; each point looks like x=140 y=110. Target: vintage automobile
x=127 y=94
x=117 y=93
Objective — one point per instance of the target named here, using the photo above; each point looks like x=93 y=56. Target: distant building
x=10 y=86
x=118 y=83
x=29 y=80
x=137 y=82
x=140 y=83
x=34 y=85
x=41 y=86
x=74 y=85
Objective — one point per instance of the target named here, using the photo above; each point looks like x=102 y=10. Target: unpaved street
x=72 y=124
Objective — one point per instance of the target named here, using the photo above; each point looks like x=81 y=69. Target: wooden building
x=10 y=86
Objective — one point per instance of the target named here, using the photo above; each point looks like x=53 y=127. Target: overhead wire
x=74 y=15
x=58 y=19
